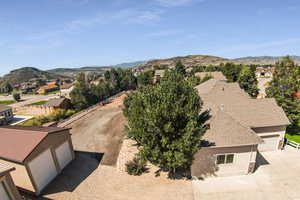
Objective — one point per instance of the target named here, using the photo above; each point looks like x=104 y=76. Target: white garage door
x=270 y=143
x=43 y=169
x=63 y=154
x=3 y=193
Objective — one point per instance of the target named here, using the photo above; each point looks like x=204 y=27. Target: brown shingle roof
x=17 y=142
x=55 y=102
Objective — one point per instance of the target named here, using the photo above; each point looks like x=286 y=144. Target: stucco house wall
x=205 y=165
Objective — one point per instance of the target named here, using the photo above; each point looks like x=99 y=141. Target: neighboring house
x=38 y=154
x=264 y=72
x=216 y=75
x=59 y=103
x=158 y=74
x=239 y=127
x=8 y=190
x=6 y=114
x=66 y=89
x=50 y=87
x=296 y=95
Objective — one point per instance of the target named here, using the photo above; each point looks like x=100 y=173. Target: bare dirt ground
x=100 y=131
x=92 y=175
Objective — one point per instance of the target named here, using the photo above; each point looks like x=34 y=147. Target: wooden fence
x=84 y=112
x=293 y=144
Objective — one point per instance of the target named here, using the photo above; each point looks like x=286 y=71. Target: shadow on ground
x=75 y=173
x=260 y=160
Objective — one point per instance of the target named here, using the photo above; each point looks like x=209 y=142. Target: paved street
x=277 y=179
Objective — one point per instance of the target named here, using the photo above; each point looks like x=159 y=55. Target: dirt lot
x=100 y=131
x=93 y=176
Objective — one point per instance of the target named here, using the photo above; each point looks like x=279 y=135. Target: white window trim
x=225 y=154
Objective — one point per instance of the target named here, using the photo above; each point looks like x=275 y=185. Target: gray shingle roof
x=245 y=113
x=225 y=131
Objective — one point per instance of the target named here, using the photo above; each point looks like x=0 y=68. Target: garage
x=38 y=154
x=44 y=169
x=64 y=154
x=270 y=143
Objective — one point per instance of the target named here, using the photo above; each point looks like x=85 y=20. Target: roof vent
x=222 y=107
x=223 y=88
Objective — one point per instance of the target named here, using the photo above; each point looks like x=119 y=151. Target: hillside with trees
x=24 y=74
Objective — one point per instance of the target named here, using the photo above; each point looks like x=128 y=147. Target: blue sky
x=71 y=33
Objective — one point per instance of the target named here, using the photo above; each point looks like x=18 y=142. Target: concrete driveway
x=277 y=178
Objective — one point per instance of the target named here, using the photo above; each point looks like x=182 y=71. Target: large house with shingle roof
x=239 y=127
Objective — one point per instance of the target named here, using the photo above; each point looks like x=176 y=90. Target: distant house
x=264 y=72
x=158 y=74
x=50 y=87
x=239 y=127
x=296 y=95
x=8 y=190
x=59 y=103
x=38 y=154
x=6 y=114
x=216 y=75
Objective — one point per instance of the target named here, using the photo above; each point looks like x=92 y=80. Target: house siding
x=205 y=165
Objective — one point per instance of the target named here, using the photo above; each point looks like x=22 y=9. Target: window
x=225 y=159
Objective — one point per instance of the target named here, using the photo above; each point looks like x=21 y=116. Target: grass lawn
x=53 y=92
x=7 y=102
x=293 y=133
x=38 y=103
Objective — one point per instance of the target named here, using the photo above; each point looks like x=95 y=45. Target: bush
x=16 y=96
x=136 y=167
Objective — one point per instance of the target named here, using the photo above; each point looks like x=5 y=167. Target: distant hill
x=26 y=73
x=197 y=60
x=188 y=61
x=100 y=69
x=263 y=60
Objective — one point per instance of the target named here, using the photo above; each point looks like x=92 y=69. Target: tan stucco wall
x=20 y=175
x=205 y=165
x=275 y=130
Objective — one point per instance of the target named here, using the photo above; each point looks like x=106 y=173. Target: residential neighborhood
x=149 y=100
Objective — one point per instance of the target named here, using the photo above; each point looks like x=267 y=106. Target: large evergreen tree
x=285 y=83
x=164 y=121
x=180 y=68
x=247 y=81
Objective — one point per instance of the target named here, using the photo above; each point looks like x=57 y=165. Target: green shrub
x=136 y=167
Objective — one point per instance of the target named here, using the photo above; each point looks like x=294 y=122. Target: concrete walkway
x=279 y=178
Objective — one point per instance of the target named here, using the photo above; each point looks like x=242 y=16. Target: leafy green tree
x=6 y=87
x=16 y=95
x=82 y=96
x=145 y=78
x=285 y=82
x=247 y=81
x=180 y=68
x=194 y=80
x=231 y=71
x=164 y=121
